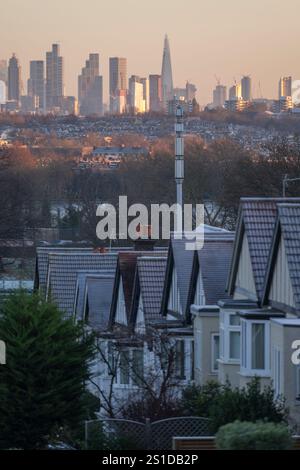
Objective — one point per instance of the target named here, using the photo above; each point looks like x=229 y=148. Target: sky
x=216 y=38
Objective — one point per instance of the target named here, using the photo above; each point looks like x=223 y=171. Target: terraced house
x=260 y=320
x=230 y=311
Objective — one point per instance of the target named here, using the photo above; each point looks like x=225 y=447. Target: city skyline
x=209 y=36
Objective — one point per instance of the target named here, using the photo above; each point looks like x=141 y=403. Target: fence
x=155 y=435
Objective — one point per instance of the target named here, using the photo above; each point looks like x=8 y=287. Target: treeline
x=216 y=175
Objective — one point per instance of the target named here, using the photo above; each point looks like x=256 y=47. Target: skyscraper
x=117 y=84
x=235 y=92
x=90 y=87
x=14 y=79
x=54 y=78
x=137 y=103
x=36 y=82
x=219 y=96
x=246 y=88
x=166 y=75
x=155 y=90
x=2 y=92
x=146 y=93
x=285 y=87
x=3 y=70
x=191 y=91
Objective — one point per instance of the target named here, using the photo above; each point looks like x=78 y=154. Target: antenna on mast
x=179 y=164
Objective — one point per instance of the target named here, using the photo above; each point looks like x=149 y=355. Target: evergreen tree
x=43 y=382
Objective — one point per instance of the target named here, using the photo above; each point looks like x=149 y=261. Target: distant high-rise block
x=14 y=79
x=191 y=91
x=166 y=75
x=155 y=90
x=54 y=78
x=29 y=104
x=3 y=70
x=137 y=102
x=36 y=82
x=69 y=105
x=219 y=96
x=146 y=93
x=179 y=94
x=2 y=92
x=246 y=88
x=90 y=88
x=235 y=92
x=285 y=87
x=117 y=84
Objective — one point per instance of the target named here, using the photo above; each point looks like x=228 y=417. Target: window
x=197 y=352
x=244 y=345
x=230 y=328
x=124 y=367
x=298 y=383
x=277 y=372
x=258 y=346
x=215 y=352
x=234 y=345
x=111 y=358
x=137 y=366
x=255 y=347
x=192 y=353
x=180 y=359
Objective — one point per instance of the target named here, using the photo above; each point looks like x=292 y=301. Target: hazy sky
x=227 y=38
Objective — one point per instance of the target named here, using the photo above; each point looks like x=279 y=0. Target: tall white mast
x=179 y=164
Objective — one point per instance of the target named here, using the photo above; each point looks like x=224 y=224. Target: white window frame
x=131 y=382
x=212 y=368
x=225 y=329
x=246 y=348
x=188 y=359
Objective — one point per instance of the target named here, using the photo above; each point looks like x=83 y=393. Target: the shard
x=166 y=75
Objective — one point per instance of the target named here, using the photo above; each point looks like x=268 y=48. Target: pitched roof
x=149 y=283
x=98 y=297
x=214 y=261
x=183 y=263
x=42 y=256
x=289 y=216
x=62 y=274
x=126 y=268
x=288 y=226
x=257 y=219
x=182 y=260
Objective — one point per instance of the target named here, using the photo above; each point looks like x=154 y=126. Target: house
x=208 y=284
x=150 y=313
x=255 y=230
x=282 y=292
x=260 y=320
x=121 y=350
